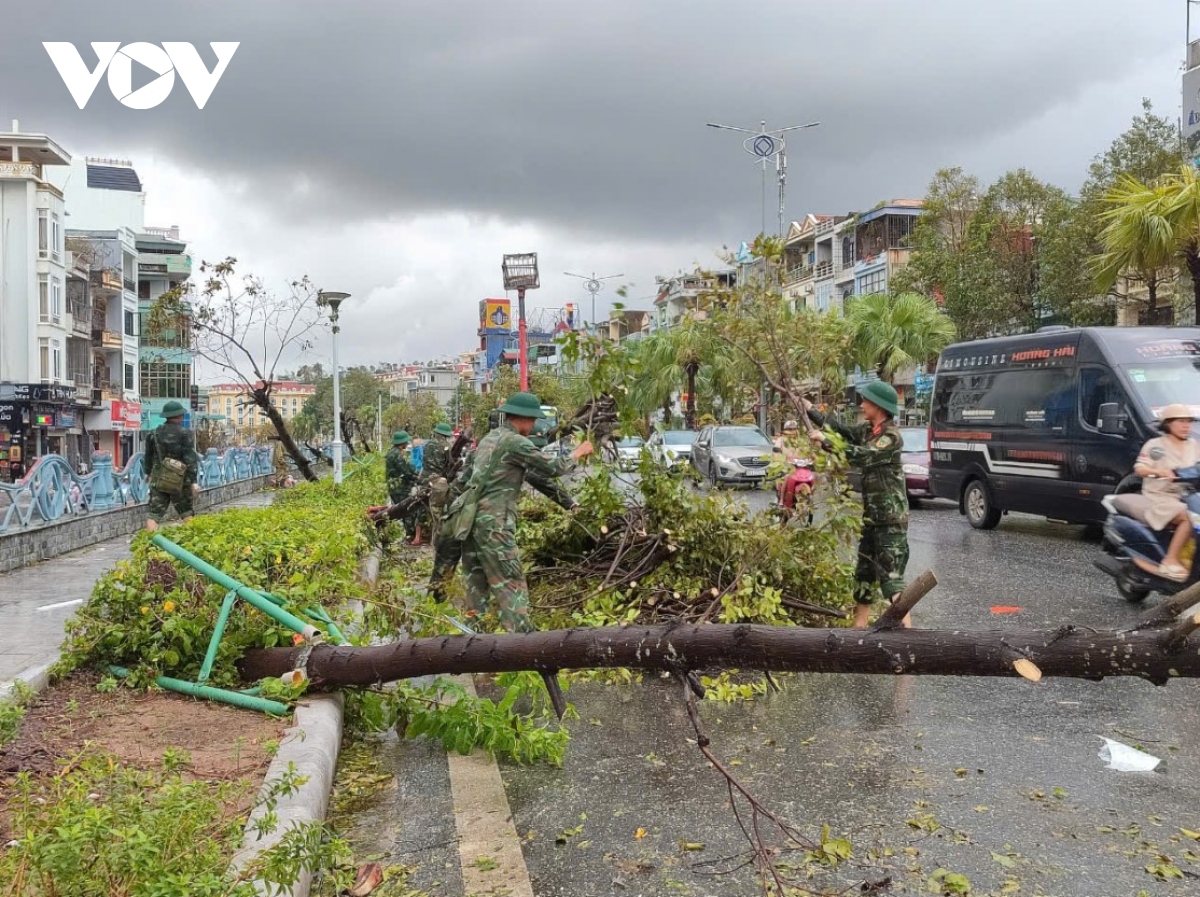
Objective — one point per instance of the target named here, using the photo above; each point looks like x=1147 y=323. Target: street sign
x=923 y=383
x=762 y=145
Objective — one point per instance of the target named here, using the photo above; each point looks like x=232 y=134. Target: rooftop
x=36 y=148
x=113 y=177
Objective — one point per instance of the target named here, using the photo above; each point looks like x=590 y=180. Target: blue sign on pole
x=923 y=383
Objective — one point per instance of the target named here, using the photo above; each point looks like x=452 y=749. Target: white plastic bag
x=1123 y=758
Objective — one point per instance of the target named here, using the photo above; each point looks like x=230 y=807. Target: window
x=44 y=358
x=1098 y=386
x=56 y=237
x=43 y=233
x=56 y=360
x=129 y=377
x=1040 y=399
x=130 y=326
x=162 y=380
x=50 y=300
x=875 y=282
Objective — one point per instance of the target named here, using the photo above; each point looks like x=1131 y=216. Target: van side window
x=1098 y=386
x=1038 y=399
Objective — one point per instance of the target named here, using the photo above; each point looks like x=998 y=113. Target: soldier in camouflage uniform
x=401 y=478
x=171 y=440
x=503 y=463
x=437 y=467
x=875 y=447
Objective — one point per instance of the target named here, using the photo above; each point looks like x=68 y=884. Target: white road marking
x=61 y=604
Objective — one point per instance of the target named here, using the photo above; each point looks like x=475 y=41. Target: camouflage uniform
x=883 y=545
x=171 y=441
x=436 y=464
x=401 y=478
x=489 y=553
x=447 y=553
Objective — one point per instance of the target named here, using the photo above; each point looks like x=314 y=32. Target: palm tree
x=1182 y=194
x=889 y=333
x=1141 y=234
x=673 y=359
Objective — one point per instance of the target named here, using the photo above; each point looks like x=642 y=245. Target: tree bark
x=263 y=400
x=1191 y=257
x=1155 y=654
x=690 y=409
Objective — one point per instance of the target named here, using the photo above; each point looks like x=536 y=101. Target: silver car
x=629 y=452
x=671 y=447
x=732 y=454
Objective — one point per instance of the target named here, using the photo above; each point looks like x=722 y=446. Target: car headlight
x=916 y=470
x=723 y=459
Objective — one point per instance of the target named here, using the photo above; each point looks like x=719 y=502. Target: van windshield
x=1164 y=383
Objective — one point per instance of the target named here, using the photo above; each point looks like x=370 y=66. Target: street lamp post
x=520 y=272
x=593 y=285
x=334 y=299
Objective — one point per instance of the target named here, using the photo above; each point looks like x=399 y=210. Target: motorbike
x=796 y=487
x=1127 y=537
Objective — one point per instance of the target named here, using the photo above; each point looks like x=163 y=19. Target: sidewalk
x=38 y=599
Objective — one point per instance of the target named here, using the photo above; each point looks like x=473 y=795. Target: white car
x=671 y=447
x=629 y=452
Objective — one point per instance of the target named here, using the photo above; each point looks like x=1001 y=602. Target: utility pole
x=593 y=285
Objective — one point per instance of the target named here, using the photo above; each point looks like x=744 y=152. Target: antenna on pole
x=593 y=285
x=764 y=145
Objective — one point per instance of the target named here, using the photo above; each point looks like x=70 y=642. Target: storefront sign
x=126 y=415
x=37 y=392
x=12 y=415
x=67 y=419
x=43 y=420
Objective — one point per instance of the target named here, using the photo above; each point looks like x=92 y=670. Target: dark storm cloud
x=586 y=116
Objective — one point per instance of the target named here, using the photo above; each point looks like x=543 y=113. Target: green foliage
x=12 y=711
x=462 y=722
x=714 y=554
x=891 y=333
x=155 y=616
x=98 y=828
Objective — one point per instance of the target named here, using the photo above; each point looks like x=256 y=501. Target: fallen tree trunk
x=1070 y=652
x=1159 y=649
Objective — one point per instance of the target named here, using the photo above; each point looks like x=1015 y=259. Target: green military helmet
x=173 y=409
x=523 y=404
x=401 y=437
x=443 y=429
x=882 y=394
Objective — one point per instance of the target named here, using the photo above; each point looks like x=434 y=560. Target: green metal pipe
x=215 y=642
x=317 y=613
x=224 y=696
x=247 y=594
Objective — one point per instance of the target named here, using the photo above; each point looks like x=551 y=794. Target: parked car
x=629 y=452
x=915 y=456
x=671 y=447
x=732 y=454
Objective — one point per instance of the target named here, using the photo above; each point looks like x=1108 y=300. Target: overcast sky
x=396 y=150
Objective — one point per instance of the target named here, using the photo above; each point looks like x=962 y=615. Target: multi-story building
x=41 y=408
x=883 y=244
x=165 y=349
x=117 y=420
x=243 y=420
x=106 y=210
x=684 y=295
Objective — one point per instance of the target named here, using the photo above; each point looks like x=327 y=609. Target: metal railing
x=52 y=489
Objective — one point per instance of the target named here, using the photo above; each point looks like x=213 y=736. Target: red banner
x=126 y=415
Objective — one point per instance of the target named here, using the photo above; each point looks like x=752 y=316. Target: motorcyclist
x=1156 y=464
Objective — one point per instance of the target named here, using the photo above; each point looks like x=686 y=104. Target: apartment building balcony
x=107 y=279
x=164 y=265
x=112 y=391
x=825 y=227
x=823 y=269
x=106 y=339
x=798 y=273
x=79 y=322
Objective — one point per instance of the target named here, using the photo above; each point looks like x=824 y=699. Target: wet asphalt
x=998 y=781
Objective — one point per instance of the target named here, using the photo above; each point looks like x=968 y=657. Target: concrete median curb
x=310 y=748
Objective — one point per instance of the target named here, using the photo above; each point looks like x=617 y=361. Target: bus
x=1050 y=423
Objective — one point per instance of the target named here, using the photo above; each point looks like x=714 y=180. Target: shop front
x=114 y=429
x=37 y=420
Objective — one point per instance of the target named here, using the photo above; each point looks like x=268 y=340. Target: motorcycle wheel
x=1133 y=592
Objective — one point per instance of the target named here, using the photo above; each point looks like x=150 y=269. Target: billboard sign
x=497 y=315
